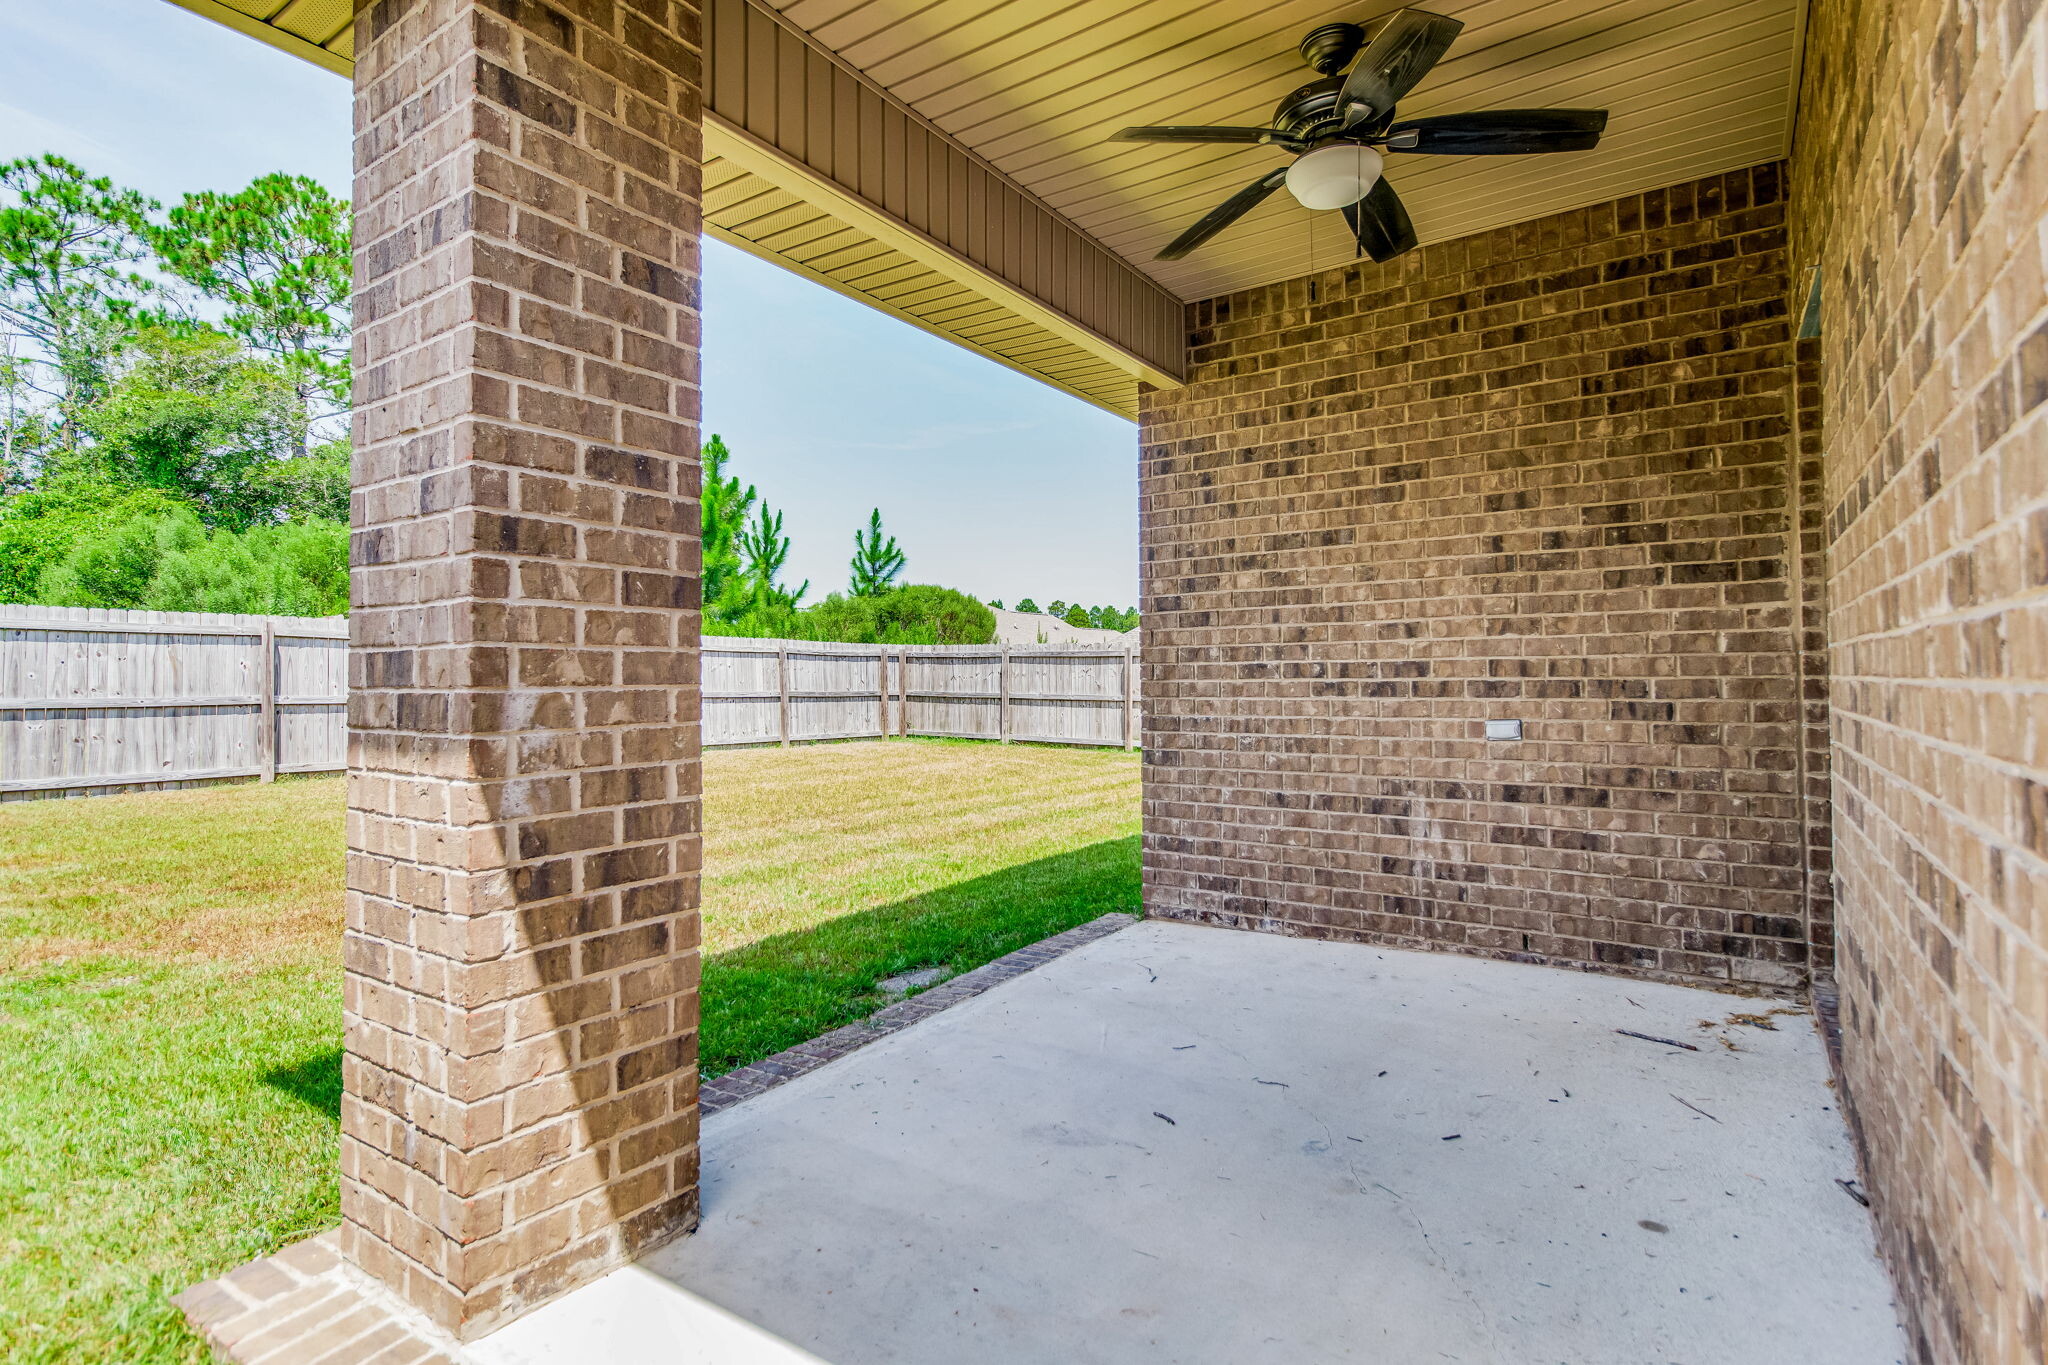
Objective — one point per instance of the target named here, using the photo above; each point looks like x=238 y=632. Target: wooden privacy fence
x=796 y=691
x=96 y=701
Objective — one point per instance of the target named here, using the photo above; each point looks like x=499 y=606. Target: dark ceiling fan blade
x=1398 y=56
x=1380 y=223
x=1500 y=132
x=1191 y=133
x=1223 y=215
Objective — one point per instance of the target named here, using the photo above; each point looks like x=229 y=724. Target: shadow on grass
x=781 y=991
x=316 y=1081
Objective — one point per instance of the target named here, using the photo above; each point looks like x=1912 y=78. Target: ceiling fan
x=1337 y=125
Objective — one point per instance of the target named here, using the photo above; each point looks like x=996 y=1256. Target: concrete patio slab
x=1190 y=1144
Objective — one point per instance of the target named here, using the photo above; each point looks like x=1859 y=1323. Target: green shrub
x=39 y=528
x=165 y=560
x=313 y=487
x=299 y=569
x=114 y=565
x=915 y=614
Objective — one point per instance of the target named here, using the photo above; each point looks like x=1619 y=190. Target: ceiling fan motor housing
x=1311 y=112
x=1330 y=48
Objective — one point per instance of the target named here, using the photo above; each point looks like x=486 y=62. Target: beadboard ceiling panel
x=1035 y=87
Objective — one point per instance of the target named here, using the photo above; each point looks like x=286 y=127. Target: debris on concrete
x=1653 y=1038
x=1695 y=1108
x=1745 y=1019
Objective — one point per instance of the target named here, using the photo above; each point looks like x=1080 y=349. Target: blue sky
x=993 y=483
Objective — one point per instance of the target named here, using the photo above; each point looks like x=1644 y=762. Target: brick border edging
x=306 y=1306
x=757 y=1077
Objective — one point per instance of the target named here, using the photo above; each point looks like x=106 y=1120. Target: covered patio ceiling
x=948 y=163
x=1036 y=87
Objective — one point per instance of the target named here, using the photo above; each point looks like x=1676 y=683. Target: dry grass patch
x=242 y=874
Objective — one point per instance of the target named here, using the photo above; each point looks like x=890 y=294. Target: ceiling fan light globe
x=1332 y=177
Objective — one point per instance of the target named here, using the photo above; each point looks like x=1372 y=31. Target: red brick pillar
x=521 y=951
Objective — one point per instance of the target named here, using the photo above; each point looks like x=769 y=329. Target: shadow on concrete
x=781 y=991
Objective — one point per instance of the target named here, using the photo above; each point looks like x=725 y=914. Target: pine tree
x=67 y=242
x=766 y=550
x=876 y=560
x=726 y=506
x=277 y=254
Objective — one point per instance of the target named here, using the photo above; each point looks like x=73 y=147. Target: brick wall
x=1921 y=175
x=1811 y=572
x=520 y=1108
x=1546 y=474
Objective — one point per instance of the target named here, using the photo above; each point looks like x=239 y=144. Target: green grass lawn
x=170 y=995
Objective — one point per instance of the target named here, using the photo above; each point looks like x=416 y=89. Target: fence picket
x=1003 y=685
x=266 y=688
x=1130 y=699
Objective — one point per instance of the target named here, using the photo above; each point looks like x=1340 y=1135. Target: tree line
x=172 y=381
x=745 y=552
x=173 y=404
x=1074 y=614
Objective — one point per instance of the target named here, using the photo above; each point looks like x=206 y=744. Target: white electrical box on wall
x=1503 y=729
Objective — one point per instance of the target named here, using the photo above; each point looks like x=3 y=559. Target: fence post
x=1003 y=687
x=266 y=676
x=882 y=676
x=1130 y=699
x=903 y=694
x=782 y=689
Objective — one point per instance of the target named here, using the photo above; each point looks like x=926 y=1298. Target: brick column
x=521 y=1090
